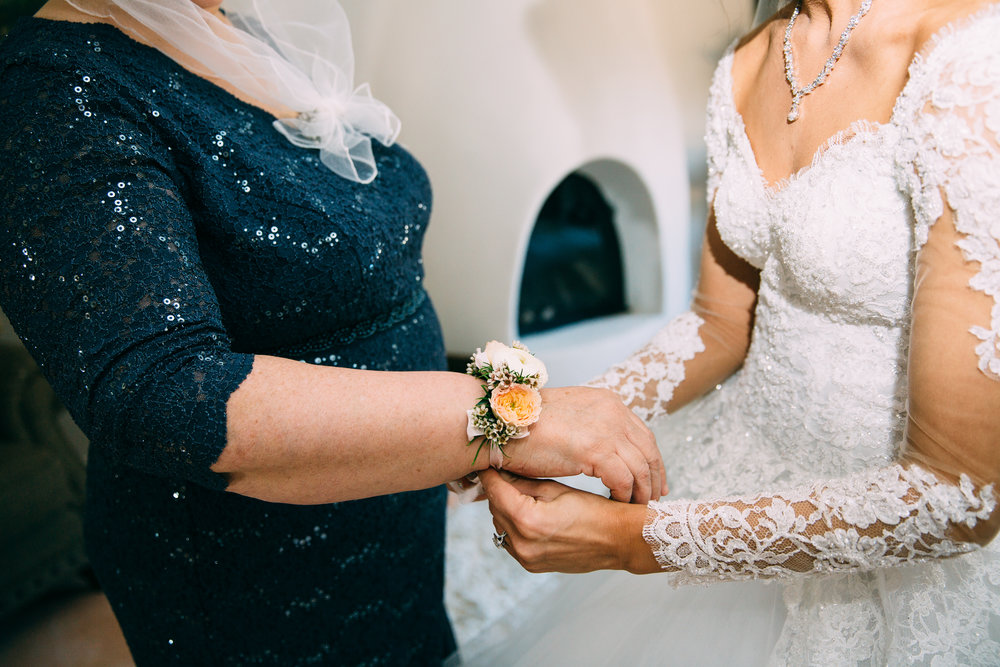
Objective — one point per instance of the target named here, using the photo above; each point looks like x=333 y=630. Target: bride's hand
x=550 y=527
x=584 y=430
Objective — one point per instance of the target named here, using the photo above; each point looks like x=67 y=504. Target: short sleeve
x=720 y=116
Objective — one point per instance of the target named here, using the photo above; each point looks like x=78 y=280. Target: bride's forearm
x=897 y=515
x=304 y=434
x=697 y=349
x=685 y=360
x=636 y=554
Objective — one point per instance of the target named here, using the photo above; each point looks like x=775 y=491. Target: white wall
x=500 y=100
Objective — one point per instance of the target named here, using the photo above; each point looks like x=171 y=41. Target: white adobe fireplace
x=553 y=140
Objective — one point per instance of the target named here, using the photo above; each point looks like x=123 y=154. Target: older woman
x=219 y=271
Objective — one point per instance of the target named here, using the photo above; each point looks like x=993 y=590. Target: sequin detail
x=132 y=267
x=348 y=335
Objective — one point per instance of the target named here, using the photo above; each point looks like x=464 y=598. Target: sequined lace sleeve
x=938 y=499
x=100 y=272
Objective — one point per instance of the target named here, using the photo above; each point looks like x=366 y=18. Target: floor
x=76 y=629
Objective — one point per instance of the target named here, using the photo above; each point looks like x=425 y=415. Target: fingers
x=573 y=532
x=538 y=489
x=514 y=503
x=544 y=490
x=501 y=493
x=617 y=476
x=637 y=450
x=590 y=431
x=642 y=489
x=645 y=441
x=505 y=500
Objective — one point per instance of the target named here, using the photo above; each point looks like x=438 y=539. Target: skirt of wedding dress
x=511 y=617
x=943 y=612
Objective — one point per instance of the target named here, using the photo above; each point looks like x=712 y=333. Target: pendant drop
x=793 y=113
x=786 y=51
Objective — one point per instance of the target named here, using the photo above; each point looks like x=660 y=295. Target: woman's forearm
x=305 y=434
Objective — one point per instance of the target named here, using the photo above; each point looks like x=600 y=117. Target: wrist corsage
x=511 y=378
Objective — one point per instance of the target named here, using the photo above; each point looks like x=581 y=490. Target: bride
x=829 y=409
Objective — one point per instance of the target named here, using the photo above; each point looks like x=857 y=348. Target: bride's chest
x=835 y=237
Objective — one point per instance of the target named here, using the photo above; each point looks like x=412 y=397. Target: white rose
x=480 y=359
x=495 y=353
x=516 y=360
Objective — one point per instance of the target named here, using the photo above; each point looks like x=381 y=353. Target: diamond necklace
x=793 y=82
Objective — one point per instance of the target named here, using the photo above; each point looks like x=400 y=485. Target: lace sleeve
x=101 y=276
x=646 y=380
x=888 y=517
x=697 y=349
x=951 y=163
x=938 y=499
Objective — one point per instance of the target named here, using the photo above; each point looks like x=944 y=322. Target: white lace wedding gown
x=798 y=469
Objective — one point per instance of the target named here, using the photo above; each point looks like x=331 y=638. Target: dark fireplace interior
x=573 y=268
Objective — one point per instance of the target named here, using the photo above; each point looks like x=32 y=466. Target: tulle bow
x=293 y=57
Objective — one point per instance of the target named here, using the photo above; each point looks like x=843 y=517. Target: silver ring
x=498 y=539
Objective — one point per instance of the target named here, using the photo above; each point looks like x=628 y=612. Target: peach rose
x=518 y=405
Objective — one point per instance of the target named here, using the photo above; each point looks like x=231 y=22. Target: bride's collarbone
x=860 y=91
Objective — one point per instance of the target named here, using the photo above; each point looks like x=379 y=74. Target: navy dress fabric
x=155 y=234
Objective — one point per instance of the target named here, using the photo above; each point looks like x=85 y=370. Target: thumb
x=544 y=490
x=498 y=490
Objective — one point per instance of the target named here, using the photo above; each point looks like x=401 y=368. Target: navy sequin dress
x=155 y=233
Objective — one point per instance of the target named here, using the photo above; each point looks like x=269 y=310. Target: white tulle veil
x=765 y=8
x=292 y=55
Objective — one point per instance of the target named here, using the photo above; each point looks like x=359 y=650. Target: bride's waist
x=820 y=377
x=793 y=346
x=833 y=386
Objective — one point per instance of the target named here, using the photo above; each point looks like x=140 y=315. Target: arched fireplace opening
x=573 y=267
x=590 y=284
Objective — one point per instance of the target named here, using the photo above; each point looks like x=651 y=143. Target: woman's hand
x=552 y=527
x=583 y=430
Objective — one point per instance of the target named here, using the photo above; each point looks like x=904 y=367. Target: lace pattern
x=818 y=411
x=646 y=380
x=952 y=157
x=871 y=520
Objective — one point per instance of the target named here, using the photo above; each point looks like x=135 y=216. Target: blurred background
x=563 y=139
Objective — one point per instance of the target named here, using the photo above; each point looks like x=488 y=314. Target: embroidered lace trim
x=952 y=157
x=646 y=380
x=889 y=517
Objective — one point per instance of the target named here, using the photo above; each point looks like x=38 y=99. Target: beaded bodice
x=834 y=291
x=824 y=452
